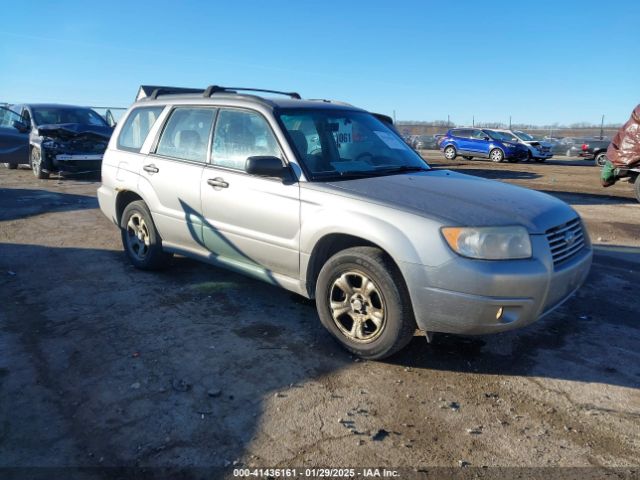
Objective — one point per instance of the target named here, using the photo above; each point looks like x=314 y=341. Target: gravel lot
x=104 y=365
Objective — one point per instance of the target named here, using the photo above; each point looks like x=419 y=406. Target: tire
x=496 y=155
x=341 y=283
x=450 y=152
x=467 y=157
x=140 y=238
x=11 y=166
x=600 y=159
x=35 y=161
x=636 y=188
x=540 y=160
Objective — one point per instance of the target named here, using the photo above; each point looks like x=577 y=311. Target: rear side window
x=136 y=128
x=186 y=134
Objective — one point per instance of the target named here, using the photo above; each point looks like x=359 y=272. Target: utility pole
x=602 y=128
x=394 y=117
x=509 y=122
x=448 y=122
x=473 y=121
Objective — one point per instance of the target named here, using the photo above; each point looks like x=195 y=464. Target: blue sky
x=538 y=61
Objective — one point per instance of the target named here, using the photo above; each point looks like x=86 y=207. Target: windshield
x=524 y=136
x=339 y=143
x=55 y=115
x=502 y=136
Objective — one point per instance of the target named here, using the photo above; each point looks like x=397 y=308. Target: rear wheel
x=140 y=238
x=35 y=160
x=496 y=155
x=363 y=302
x=450 y=152
x=600 y=159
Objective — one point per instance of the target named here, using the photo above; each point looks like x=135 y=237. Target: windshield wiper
x=400 y=169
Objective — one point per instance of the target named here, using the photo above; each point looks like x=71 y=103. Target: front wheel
x=35 y=160
x=363 y=302
x=601 y=159
x=496 y=155
x=450 y=152
x=140 y=238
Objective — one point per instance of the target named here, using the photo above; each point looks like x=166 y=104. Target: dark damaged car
x=51 y=138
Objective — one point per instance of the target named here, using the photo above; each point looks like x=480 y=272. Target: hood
x=459 y=200
x=71 y=130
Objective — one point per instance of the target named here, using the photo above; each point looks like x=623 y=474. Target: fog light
x=499 y=313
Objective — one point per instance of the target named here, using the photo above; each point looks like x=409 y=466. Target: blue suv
x=483 y=143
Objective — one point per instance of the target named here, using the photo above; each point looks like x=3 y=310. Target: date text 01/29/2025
x=315 y=473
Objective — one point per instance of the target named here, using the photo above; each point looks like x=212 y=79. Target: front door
x=14 y=144
x=250 y=222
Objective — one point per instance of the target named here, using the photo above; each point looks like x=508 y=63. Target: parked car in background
x=482 y=143
x=425 y=142
x=359 y=221
x=14 y=139
x=53 y=138
x=568 y=146
x=595 y=149
x=538 y=150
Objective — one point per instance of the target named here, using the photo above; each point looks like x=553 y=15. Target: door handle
x=218 y=183
x=151 y=168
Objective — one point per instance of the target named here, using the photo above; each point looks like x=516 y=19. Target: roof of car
x=163 y=95
x=51 y=105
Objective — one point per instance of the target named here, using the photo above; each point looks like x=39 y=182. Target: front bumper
x=77 y=162
x=465 y=296
x=516 y=154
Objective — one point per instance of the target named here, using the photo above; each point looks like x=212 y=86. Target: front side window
x=341 y=143
x=239 y=135
x=137 y=126
x=478 y=135
x=186 y=134
x=7 y=117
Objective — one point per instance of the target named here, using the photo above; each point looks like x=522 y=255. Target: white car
x=538 y=150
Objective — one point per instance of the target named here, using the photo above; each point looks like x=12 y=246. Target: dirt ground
x=102 y=365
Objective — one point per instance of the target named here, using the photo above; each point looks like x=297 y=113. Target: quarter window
x=240 y=135
x=186 y=134
x=137 y=126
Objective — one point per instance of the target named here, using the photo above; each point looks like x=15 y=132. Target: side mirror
x=486 y=137
x=21 y=126
x=266 y=166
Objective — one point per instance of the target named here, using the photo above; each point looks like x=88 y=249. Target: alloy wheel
x=138 y=238
x=357 y=307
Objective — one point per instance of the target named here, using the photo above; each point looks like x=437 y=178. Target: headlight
x=49 y=143
x=489 y=243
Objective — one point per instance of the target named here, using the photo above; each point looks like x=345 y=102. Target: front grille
x=565 y=240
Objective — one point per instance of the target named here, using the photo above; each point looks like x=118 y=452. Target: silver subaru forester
x=326 y=200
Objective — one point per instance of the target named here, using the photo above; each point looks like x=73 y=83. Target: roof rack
x=152 y=91
x=211 y=89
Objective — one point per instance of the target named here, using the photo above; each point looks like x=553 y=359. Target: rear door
x=478 y=143
x=463 y=141
x=250 y=222
x=173 y=170
x=14 y=144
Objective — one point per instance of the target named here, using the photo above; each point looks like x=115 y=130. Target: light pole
x=602 y=128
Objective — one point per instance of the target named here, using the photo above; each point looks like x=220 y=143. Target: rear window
x=137 y=126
